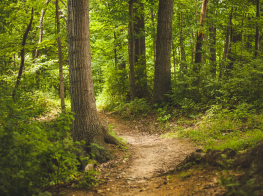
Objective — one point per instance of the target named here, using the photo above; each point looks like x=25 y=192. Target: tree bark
x=182 y=43
x=200 y=36
x=257 y=30
x=41 y=28
x=140 y=59
x=60 y=60
x=23 y=54
x=87 y=125
x=162 y=73
x=131 y=52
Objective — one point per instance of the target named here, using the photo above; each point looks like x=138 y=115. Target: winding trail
x=145 y=169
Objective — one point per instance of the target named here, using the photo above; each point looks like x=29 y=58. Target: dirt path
x=144 y=170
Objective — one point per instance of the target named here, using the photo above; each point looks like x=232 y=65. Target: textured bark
x=257 y=30
x=162 y=80
x=86 y=125
x=23 y=54
x=41 y=28
x=182 y=42
x=131 y=52
x=200 y=36
x=140 y=59
x=61 y=84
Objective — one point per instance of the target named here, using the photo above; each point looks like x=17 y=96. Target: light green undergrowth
x=223 y=131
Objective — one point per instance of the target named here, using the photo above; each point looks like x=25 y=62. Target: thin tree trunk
x=257 y=30
x=140 y=59
x=62 y=96
x=132 y=52
x=154 y=37
x=226 y=48
x=41 y=28
x=115 y=50
x=86 y=125
x=173 y=58
x=182 y=64
x=162 y=73
x=200 y=36
x=23 y=54
x=212 y=33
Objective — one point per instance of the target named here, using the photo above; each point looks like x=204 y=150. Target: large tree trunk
x=41 y=28
x=162 y=79
x=131 y=52
x=86 y=125
x=140 y=59
x=61 y=87
x=23 y=54
x=200 y=36
x=257 y=29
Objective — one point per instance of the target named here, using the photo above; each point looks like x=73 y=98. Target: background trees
x=229 y=66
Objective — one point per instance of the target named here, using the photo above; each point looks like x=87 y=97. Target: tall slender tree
x=87 y=125
x=200 y=36
x=226 y=47
x=61 y=82
x=43 y=11
x=182 y=64
x=22 y=53
x=140 y=59
x=131 y=52
x=162 y=73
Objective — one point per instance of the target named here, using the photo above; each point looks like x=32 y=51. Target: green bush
x=35 y=153
x=136 y=108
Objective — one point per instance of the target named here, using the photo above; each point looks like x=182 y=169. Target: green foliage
x=120 y=139
x=35 y=153
x=233 y=186
x=136 y=108
x=236 y=129
x=162 y=112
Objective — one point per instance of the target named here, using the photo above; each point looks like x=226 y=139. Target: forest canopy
x=178 y=59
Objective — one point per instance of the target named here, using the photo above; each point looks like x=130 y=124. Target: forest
x=92 y=90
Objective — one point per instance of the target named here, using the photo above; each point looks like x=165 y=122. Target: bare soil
x=146 y=167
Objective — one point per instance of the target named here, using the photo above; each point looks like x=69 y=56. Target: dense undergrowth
x=36 y=150
x=215 y=112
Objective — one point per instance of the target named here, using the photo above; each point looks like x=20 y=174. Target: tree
x=22 y=53
x=182 y=64
x=200 y=36
x=131 y=52
x=162 y=73
x=140 y=59
x=87 y=125
x=43 y=11
x=61 y=85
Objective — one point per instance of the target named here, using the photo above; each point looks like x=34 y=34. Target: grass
x=223 y=131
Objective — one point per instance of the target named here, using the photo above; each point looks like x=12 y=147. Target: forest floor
x=147 y=166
